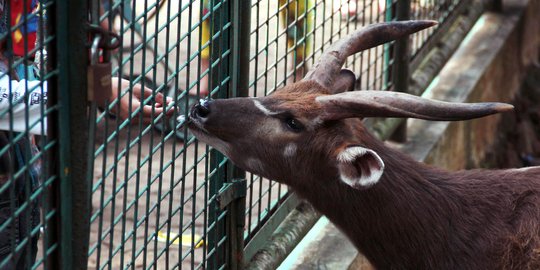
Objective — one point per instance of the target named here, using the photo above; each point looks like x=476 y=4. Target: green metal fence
x=123 y=184
x=40 y=101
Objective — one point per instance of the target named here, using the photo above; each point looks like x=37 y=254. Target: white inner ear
x=360 y=167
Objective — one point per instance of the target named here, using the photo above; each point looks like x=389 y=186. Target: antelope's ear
x=344 y=82
x=359 y=167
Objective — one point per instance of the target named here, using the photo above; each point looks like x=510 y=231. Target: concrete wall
x=490 y=65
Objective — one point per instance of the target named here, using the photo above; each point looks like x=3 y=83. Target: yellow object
x=17 y=35
x=205 y=29
x=205 y=37
x=184 y=240
x=297 y=16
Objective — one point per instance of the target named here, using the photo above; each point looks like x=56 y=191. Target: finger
x=147 y=120
x=148 y=110
x=147 y=92
x=161 y=99
x=124 y=85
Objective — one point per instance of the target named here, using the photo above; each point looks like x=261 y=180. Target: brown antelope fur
x=401 y=214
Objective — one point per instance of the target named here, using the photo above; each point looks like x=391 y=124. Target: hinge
x=231 y=191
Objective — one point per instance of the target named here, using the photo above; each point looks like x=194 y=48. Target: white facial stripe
x=290 y=150
x=317 y=121
x=263 y=109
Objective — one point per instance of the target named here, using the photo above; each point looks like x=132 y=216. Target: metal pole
x=241 y=20
x=69 y=22
x=220 y=15
x=400 y=69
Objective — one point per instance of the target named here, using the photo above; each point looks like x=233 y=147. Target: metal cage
x=89 y=182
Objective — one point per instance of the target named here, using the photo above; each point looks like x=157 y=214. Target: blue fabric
x=26 y=72
x=3 y=17
x=31 y=19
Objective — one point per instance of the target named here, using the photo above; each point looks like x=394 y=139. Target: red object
x=22 y=35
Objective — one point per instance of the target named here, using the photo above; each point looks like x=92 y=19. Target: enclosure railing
x=42 y=115
x=122 y=190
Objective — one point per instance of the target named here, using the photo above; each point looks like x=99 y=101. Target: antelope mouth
x=196 y=125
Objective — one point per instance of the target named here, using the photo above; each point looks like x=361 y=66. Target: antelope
x=399 y=213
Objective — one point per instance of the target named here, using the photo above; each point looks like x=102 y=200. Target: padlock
x=99 y=83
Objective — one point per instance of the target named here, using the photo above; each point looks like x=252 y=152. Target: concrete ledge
x=489 y=65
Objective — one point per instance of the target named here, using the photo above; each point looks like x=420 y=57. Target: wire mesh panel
x=28 y=185
x=154 y=186
x=430 y=10
x=155 y=189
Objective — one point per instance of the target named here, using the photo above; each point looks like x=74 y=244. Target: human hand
x=148 y=112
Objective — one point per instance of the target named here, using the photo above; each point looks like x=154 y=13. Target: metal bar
x=219 y=14
x=215 y=234
x=241 y=19
x=235 y=222
x=94 y=7
x=72 y=60
x=400 y=72
x=52 y=228
x=241 y=39
x=387 y=54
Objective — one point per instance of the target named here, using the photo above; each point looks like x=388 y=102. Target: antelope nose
x=202 y=109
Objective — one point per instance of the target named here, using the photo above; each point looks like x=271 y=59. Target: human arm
x=14 y=111
x=138 y=95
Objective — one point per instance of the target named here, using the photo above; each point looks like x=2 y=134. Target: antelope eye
x=294 y=124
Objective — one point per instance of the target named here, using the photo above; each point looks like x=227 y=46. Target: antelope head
x=311 y=128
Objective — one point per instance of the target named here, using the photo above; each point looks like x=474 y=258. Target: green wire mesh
x=154 y=196
x=27 y=189
x=154 y=188
x=430 y=10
